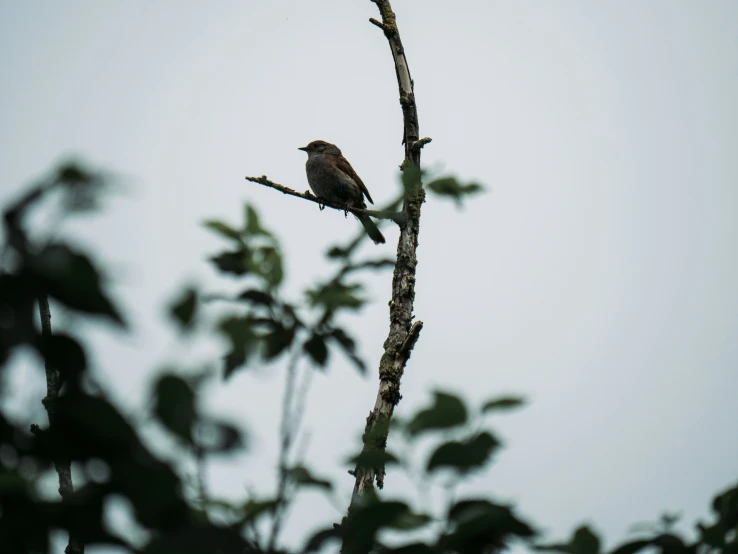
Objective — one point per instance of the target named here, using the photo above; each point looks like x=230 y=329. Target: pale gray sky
x=597 y=276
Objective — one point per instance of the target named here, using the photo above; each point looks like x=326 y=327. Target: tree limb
x=397 y=217
x=403 y=334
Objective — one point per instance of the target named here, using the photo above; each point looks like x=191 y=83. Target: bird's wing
x=343 y=164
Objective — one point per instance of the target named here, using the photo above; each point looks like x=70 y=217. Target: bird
x=332 y=178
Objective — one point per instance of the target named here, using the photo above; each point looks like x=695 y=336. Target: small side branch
x=377 y=23
x=417 y=145
x=398 y=217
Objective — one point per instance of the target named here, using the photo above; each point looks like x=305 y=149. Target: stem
x=53 y=383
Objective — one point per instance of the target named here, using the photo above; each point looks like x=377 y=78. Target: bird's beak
x=303 y=148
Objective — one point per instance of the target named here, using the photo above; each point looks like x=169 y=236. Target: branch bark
x=403 y=333
x=397 y=217
x=53 y=383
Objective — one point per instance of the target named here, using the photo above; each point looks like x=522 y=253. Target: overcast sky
x=597 y=276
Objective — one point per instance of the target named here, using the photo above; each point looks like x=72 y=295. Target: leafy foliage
x=260 y=327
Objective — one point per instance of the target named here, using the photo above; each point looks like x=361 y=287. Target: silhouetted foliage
x=261 y=326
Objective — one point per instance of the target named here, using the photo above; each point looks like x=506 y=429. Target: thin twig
x=397 y=217
x=287 y=435
x=53 y=383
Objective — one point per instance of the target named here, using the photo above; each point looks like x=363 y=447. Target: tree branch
x=403 y=334
x=397 y=217
x=53 y=383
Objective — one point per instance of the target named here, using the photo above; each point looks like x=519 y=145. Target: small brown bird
x=331 y=177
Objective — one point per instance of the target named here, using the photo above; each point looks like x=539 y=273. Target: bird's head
x=320 y=147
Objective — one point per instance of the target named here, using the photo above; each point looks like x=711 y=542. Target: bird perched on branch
x=332 y=178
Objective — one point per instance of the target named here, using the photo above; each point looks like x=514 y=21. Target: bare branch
x=403 y=334
x=397 y=217
x=53 y=383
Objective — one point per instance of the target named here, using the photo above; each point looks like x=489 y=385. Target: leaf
x=480 y=526
x=411 y=178
x=175 y=406
x=336 y=295
x=243 y=341
x=302 y=476
x=218 y=437
x=253 y=225
x=183 y=309
x=253 y=509
x=233 y=262
x=316 y=542
x=630 y=547
x=258 y=297
x=360 y=529
x=267 y=262
x=374 y=458
x=726 y=506
x=223 y=229
x=447 y=411
x=72 y=279
x=278 y=340
x=464 y=456
x=451 y=188
x=410 y=521
x=503 y=403
x=64 y=354
x=349 y=347
x=315 y=346
x=583 y=541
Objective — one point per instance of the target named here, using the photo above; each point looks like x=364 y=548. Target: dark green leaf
x=316 y=542
x=503 y=403
x=302 y=476
x=278 y=340
x=361 y=527
x=414 y=548
x=73 y=280
x=411 y=177
x=184 y=308
x=253 y=509
x=726 y=506
x=410 y=521
x=480 y=526
x=315 y=346
x=223 y=229
x=451 y=188
x=629 y=548
x=65 y=354
x=374 y=458
x=349 y=347
x=243 y=341
x=253 y=225
x=464 y=456
x=235 y=262
x=447 y=411
x=334 y=296
x=175 y=406
x=259 y=297
x=268 y=263
x=583 y=541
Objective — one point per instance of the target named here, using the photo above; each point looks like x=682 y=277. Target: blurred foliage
x=260 y=326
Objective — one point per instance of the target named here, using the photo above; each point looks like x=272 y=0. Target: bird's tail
x=371 y=229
